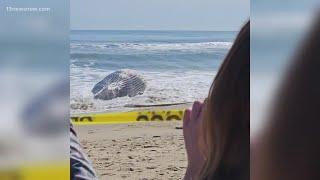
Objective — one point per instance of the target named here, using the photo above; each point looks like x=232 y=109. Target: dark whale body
x=119 y=84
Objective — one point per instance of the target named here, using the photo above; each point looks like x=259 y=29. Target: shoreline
x=132 y=109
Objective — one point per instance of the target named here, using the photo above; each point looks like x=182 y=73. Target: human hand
x=194 y=140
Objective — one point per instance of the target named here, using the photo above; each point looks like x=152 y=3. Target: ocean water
x=179 y=66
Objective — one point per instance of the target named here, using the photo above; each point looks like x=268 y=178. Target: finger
x=202 y=109
x=195 y=110
x=186 y=117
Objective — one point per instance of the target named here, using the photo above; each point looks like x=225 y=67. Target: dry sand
x=148 y=150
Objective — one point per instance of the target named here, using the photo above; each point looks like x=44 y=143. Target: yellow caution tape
x=127 y=117
x=49 y=171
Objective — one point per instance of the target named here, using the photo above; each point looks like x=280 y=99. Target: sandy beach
x=146 y=150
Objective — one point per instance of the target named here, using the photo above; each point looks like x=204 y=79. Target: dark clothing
x=80 y=167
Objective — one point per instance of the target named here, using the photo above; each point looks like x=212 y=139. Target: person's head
x=226 y=122
x=289 y=146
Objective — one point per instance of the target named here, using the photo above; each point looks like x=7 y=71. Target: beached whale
x=119 y=84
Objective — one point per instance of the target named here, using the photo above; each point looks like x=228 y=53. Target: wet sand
x=146 y=150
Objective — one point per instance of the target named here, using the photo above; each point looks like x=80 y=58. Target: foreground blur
x=285 y=90
x=34 y=142
x=34 y=70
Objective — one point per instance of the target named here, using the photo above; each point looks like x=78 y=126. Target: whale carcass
x=119 y=84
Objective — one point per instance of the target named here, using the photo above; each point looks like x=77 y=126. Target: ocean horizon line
x=155 y=30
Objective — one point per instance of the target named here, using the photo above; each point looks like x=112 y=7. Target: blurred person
x=80 y=166
x=289 y=145
x=217 y=132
